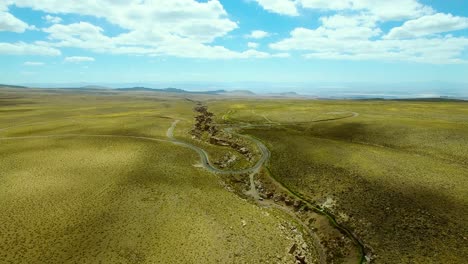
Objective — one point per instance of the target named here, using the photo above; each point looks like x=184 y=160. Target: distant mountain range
x=13 y=86
x=237 y=93
x=222 y=92
x=330 y=93
x=168 y=90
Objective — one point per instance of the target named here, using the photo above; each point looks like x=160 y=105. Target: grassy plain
x=396 y=174
x=91 y=199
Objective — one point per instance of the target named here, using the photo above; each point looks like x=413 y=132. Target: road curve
x=204 y=157
x=205 y=160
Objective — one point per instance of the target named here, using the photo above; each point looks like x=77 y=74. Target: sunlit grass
x=67 y=199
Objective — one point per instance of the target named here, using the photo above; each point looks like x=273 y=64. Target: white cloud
x=188 y=29
x=357 y=42
x=252 y=45
x=87 y=36
x=8 y=22
x=327 y=4
x=345 y=27
x=342 y=21
x=80 y=35
x=428 y=25
x=187 y=49
x=52 y=19
x=353 y=33
x=283 y=7
x=200 y=21
x=258 y=34
x=78 y=59
x=33 y=63
x=384 y=10
x=182 y=28
x=396 y=10
x=21 y=48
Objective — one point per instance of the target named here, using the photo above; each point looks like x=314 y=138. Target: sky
x=261 y=43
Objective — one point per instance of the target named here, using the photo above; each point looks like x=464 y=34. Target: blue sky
x=270 y=42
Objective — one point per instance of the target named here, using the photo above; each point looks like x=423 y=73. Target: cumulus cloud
x=355 y=33
x=428 y=25
x=52 y=19
x=21 y=48
x=351 y=30
x=87 y=36
x=356 y=44
x=252 y=45
x=33 y=63
x=384 y=10
x=78 y=35
x=258 y=34
x=8 y=22
x=346 y=21
x=78 y=59
x=183 y=28
x=201 y=21
x=284 y=7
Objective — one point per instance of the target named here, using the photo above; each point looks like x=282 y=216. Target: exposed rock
x=204 y=123
x=301 y=259
x=288 y=202
x=226 y=160
x=293 y=248
x=297 y=204
x=243 y=150
x=218 y=141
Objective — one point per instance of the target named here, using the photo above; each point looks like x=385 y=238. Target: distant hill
x=171 y=90
x=239 y=93
x=138 y=89
x=435 y=99
x=236 y=93
x=12 y=86
x=221 y=92
x=289 y=94
x=94 y=87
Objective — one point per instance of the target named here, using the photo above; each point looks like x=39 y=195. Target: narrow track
x=206 y=164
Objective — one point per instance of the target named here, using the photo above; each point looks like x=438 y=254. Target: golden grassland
x=92 y=199
x=397 y=174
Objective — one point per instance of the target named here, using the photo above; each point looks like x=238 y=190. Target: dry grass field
x=396 y=173
x=77 y=185
x=90 y=199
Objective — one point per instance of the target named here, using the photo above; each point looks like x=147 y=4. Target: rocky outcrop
x=205 y=129
x=204 y=123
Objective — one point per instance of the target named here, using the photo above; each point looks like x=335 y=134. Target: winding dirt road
x=204 y=157
x=206 y=163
